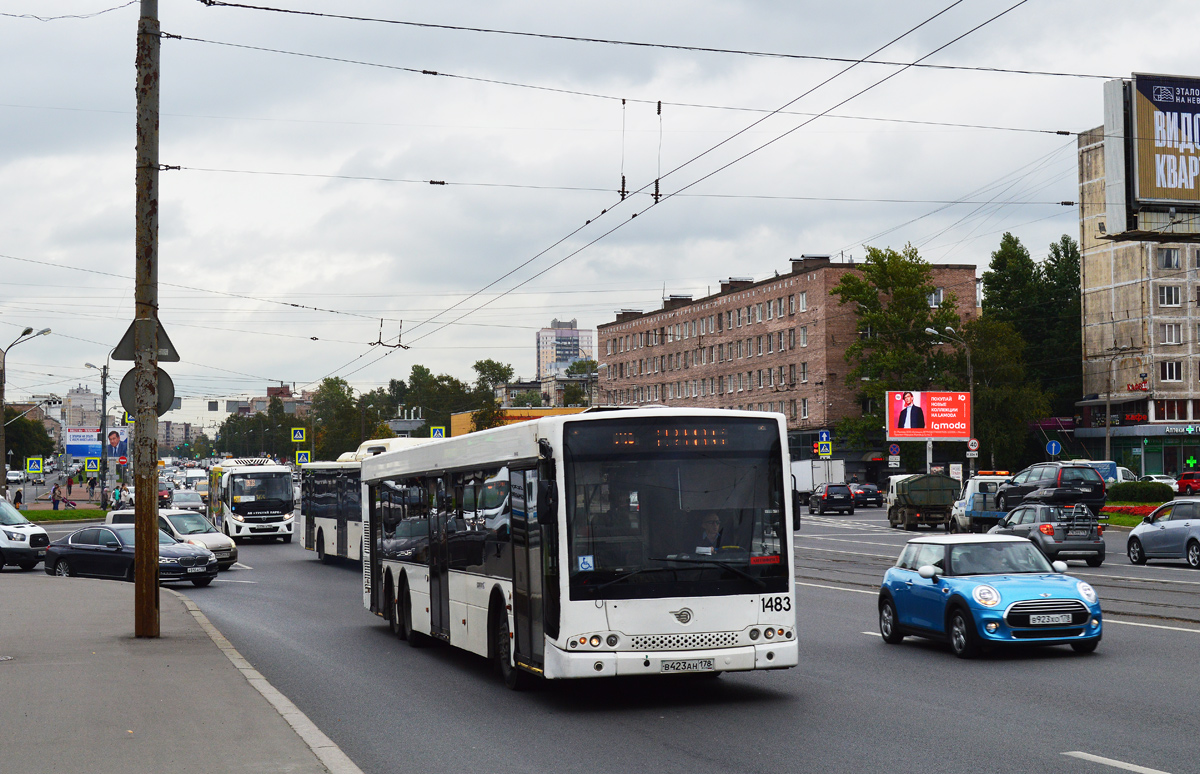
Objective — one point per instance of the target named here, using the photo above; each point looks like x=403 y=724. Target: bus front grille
x=683 y=641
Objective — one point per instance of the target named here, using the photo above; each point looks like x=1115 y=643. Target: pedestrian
x=116 y=498
x=92 y=488
x=55 y=495
x=69 y=482
x=17 y=499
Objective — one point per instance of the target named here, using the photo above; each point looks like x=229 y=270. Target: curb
x=328 y=753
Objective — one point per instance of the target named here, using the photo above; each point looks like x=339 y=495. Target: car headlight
x=167 y=560
x=1086 y=591
x=986 y=595
x=195 y=542
x=17 y=536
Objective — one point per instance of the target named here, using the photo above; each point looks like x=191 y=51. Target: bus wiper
x=630 y=574
x=723 y=565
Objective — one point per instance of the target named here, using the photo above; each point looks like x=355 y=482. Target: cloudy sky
x=305 y=170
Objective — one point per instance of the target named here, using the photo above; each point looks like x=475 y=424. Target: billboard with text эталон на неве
x=1166 y=139
x=928 y=416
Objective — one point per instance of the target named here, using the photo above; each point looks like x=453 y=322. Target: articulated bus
x=330 y=515
x=611 y=542
x=251 y=497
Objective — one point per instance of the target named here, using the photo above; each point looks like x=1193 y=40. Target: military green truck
x=918 y=499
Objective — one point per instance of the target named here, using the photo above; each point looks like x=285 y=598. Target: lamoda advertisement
x=928 y=416
x=1166 y=114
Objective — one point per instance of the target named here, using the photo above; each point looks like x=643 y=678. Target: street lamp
x=103 y=427
x=950 y=333
x=1114 y=353
x=26 y=335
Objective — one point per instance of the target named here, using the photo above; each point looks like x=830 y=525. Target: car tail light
x=1100 y=530
x=825 y=494
x=1046 y=529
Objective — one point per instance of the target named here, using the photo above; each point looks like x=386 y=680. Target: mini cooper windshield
x=997 y=559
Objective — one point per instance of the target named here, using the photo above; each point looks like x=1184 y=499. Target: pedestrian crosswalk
x=825 y=521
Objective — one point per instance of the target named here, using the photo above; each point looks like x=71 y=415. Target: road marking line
x=835 y=551
x=836 y=588
x=224 y=580
x=1135 y=578
x=1114 y=763
x=1152 y=626
x=855 y=542
x=243 y=566
x=873 y=634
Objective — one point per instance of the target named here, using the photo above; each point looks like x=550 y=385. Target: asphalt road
x=853 y=704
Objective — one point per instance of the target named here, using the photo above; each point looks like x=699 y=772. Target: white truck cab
x=985 y=483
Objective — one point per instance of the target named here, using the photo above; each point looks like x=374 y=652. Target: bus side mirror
x=547 y=505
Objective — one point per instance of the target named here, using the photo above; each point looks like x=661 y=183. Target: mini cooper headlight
x=986 y=595
x=1086 y=591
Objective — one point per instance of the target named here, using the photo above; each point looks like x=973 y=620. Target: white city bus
x=590 y=545
x=330 y=514
x=251 y=497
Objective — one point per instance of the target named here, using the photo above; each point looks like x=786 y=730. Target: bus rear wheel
x=514 y=678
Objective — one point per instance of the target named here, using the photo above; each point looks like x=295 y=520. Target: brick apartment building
x=775 y=345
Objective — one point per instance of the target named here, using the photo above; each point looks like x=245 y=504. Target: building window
x=760 y=345
x=803 y=372
x=791 y=338
x=1170 y=409
x=792 y=304
x=791 y=373
x=758 y=313
x=804 y=335
x=739 y=354
x=1168 y=257
x=1168 y=295
x=868 y=407
x=803 y=408
x=1170 y=333
x=770 y=310
x=212 y=405
x=1170 y=371
x=780 y=341
x=803 y=301
x=770 y=344
x=936 y=297
x=739 y=317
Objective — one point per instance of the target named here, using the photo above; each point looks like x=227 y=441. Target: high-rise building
x=560 y=345
x=81 y=407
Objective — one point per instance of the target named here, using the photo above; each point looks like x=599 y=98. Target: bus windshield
x=675 y=506
x=255 y=487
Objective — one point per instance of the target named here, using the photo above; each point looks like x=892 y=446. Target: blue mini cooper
x=980 y=590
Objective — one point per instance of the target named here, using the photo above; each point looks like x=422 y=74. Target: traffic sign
x=825 y=449
x=895 y=464
x=972 y=455
x=91 y=464
x=33 y=464
x=302 y=457
x=973 y=444
x=894 y=450
x=437 y=432
x=122 y=460
x=823 y=436
x=298 y=434
x=894 y=458
x=1053 y=448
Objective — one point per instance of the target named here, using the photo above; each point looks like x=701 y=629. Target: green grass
x=1124 y=519
x=1131 y=504
x=65 y=515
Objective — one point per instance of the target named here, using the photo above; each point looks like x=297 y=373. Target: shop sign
x=1136 y=418
x=1180 y=429
x=1138 y=387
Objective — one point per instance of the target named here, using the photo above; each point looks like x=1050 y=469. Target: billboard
x=85 y=441
x=1166 y=139
x=928 y=416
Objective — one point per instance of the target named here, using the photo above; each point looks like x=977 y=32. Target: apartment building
x=778 y=345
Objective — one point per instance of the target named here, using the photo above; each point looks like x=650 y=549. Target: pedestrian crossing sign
x=437 y=432
x=91 y=464
x=302 y=457
x=824 y=449
x=298 y=434
x=33 y=464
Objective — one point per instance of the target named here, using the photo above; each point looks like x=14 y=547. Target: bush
x=1140 y=492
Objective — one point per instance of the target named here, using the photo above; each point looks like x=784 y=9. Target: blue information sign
x=1053 y=448
x=823 y=436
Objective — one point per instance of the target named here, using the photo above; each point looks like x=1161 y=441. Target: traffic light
x=816 y=447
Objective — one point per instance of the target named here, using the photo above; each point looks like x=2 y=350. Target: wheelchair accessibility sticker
x=587 y=563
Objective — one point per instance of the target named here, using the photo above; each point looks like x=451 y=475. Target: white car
x=188 y=527
x=985 y=484
x=22 y=542
x=14 y=476
x=1161 y=479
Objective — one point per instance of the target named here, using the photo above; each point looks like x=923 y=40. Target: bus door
x=529 y=642
x=308 y=509
x=439 y=562
x=343 y=512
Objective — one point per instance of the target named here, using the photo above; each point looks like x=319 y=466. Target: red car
x=1189 y=483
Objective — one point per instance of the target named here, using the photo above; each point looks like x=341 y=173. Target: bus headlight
x=594 y=641
x=236 y=517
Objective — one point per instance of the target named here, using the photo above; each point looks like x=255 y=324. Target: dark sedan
x=866 y=495
x=107 y=552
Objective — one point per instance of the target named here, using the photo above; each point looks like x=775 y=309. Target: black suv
x=831 y=497
x=867 y=494
x=1059 y=531
x=1057 y=483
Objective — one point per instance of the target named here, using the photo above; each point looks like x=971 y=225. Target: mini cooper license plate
x=1049 y=620
x=690 y=665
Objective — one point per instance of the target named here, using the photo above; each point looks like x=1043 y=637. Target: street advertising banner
x=1166 y=139
x=85 y=441
x=928 y=416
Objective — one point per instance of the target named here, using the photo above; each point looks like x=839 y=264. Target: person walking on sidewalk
x=69 y=482
x=92 y=488
x=55 y=495
x=17 y=499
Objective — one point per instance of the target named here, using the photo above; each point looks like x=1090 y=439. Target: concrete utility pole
x=145 y=335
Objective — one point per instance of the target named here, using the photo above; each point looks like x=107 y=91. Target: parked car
x=1189 y=483
x=866 y=495
x=1062 y=483
x=188 y=500
x=107 y=552
x=22 y=542
x=1161 y=479
x=1059 y=532
x=976 y=591
x=187 y=527
x=1172 y=531
x=831 y=497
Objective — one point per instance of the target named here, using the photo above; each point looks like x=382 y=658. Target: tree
x=202 y=447
x=890 y=296
x=488 y=415
x=24 y=437
x=491 y=373
x=1059 y=362
x=528 y=399
x=438 y=397
x=336 y=419
x=574 y=395
x=582 y=368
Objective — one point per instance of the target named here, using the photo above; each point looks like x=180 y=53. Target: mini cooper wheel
x=1134 y=549
x=889 y=625
x=963 y=639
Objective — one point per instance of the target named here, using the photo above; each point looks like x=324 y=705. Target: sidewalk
x=83 y=694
